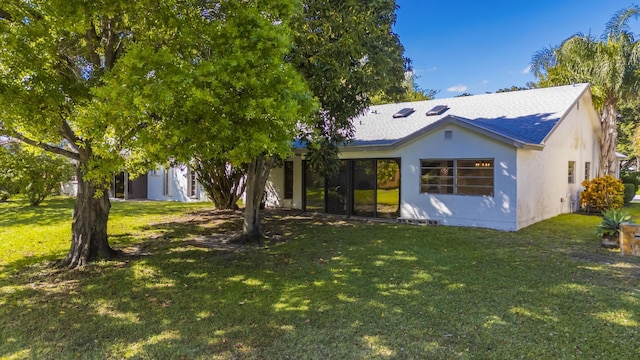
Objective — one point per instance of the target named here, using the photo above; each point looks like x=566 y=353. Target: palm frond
x=619 y=23
x=543 y=60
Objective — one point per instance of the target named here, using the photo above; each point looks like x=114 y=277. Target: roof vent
x=437 y=110
x=404 y=113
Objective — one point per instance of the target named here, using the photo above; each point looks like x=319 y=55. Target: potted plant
x=609 y=228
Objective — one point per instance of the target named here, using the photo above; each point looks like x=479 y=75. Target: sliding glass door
x=388 y=188
x=338 y=191
x=362 y=187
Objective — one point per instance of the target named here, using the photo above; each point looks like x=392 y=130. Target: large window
x=457 y=176
x=388 y=188
x=314 y=189
x=364 y=187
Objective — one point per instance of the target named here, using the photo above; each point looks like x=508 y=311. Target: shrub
x=4 y=195
x=631 y=177
x=629 y=193
x=32 y=172
x=602 y=193
x=611 y=220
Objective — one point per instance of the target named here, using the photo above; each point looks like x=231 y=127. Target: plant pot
x=610 y=241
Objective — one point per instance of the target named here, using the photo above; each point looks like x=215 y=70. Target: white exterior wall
x=543 y=188
x=497 y=212
x=275 y=186
x=178 y=185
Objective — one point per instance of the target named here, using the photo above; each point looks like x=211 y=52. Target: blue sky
x=482 y=46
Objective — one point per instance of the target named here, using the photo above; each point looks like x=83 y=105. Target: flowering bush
x=602 y=193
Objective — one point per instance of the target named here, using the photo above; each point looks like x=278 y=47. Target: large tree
x=53 y=56
x=120 y=84
x=229 y=98
x=345 y=51
x=610 y=64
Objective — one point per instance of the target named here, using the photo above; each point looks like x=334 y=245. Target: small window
x=288 y=179
x=437 y=110
x=404 y=113
x=166 y=182
x=192 y=186
x=587 y=170
x=572 y=172
x=448 y=134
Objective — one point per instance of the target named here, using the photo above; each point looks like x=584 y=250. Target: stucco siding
x=543 y=178
x=497 y=211
x=178 y=185
x=275 y=186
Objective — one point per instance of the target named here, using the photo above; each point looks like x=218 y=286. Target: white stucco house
x=501 y=161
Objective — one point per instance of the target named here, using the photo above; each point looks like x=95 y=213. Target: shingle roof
x=524 y=117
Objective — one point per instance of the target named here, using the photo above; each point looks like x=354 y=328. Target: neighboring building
x=501 y=161
x=176 y=183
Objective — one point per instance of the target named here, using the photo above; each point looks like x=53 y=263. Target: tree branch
x=29 y=12
x=92 y=39
x=44 y=146
x=68 y=133
x=5 y=15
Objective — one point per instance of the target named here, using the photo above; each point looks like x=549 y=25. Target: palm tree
x=610 y=64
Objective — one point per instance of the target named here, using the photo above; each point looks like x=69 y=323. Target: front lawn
x=326 y=289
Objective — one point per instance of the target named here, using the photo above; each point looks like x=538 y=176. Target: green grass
x=330 y=290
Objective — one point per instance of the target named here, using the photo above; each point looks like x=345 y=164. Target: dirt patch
x=218 y=230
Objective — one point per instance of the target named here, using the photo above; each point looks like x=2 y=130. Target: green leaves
x=611 y=220
x=32 y=172
x=346 y=52
x=609 y=64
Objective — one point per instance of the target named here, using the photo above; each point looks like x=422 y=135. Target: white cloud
x=457 y=88
x=526 y=70
x=432 y=69
x=485 y=82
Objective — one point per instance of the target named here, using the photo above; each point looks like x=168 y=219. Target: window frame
x=571 y=172
x=166 y=182
x=587 y=170
x=192 y=184
x=451 y=171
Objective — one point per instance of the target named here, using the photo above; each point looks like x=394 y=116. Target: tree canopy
x=120 y=84
x=347 y=52
x=610 y=64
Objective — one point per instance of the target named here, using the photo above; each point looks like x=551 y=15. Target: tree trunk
x=257 y=175
x=89 y=227
x=223 y=183
x=608 y=140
